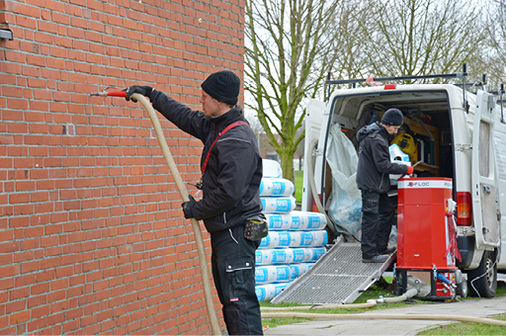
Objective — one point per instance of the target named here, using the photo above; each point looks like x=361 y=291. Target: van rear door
x=314 y=117
x=485 y=207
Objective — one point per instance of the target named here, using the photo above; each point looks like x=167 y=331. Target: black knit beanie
x=223 y=86
x=392 y=117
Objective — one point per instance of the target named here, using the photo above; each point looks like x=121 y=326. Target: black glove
x=143 y=90
x=188 y=207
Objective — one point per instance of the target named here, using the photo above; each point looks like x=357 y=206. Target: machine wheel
x=482 y=281
x=461 y=280
x=462 y=289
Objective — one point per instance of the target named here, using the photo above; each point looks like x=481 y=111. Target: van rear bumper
x=466 y=248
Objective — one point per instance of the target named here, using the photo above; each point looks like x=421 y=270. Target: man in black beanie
x=373 y=180
x=231 y=168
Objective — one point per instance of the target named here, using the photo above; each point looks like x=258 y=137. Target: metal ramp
x=337 y=277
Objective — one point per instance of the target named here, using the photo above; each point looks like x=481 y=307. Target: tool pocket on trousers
x=240 y=277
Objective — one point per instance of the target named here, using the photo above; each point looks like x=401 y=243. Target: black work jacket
x=232 y=178
x=374 y=163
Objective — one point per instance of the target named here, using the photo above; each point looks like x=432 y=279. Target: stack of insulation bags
x=296 y=239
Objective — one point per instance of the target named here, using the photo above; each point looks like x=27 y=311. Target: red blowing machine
x=426 y=238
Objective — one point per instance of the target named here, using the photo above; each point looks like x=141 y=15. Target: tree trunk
x=286 y=158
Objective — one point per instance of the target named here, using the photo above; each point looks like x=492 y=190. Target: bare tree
x=290 y=47
x=497 y=30
x=351 y=57
x=418 y=37
x=254 y=123
x=292 y=44
x=496 y=60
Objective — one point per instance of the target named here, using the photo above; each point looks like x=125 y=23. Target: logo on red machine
x=423 y=184
x=419 y=184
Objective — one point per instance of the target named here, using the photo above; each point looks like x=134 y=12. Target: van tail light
x=390 y=86
x=464 y=209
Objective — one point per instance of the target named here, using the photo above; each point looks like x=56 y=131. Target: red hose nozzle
x=109 y=94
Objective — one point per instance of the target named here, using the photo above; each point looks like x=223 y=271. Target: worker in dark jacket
x=231 y=173
x=373 y=180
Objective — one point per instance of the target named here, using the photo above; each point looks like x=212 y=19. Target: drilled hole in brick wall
x=68 y=129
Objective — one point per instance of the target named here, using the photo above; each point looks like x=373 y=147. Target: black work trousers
x=233 y=264
x=377 y=219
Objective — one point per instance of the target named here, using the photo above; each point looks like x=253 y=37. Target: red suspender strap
x=232 y=125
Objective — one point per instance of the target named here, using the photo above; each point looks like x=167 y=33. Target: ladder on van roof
x=337 y=277
x=462 y=75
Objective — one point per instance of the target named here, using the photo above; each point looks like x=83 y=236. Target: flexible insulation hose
x=184 y=195
x=428 y=317
x=312 y=182
x=267 y=312
x=406 y=296
x=369 y=304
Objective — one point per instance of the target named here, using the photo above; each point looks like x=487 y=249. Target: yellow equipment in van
x=408 y=145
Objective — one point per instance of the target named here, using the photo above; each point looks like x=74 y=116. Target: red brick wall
x=92 y=238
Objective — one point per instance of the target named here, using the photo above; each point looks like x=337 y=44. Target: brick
x=25 y=186
x=17 y=104
x=30 y=266
x=40 y=311
x=18 y=151
x=20 y=317
x=45 y=276
x=37 y=324
x=15 y=306
x=70 y=326
x=54 y=323
x=57 y=295
x=19 y=198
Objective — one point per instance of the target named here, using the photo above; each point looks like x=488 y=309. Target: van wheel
x=482 y=281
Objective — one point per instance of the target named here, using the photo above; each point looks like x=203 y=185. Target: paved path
x=322 y=327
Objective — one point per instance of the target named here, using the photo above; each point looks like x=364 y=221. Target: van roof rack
x=398 y=78
x=499 y=92
x=462 y=75
x=501 y=100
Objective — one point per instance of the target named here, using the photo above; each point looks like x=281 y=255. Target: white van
x=460 y=135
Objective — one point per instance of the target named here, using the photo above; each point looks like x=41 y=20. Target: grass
x=384 y=288
x=299 y=174
x=467 y=328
